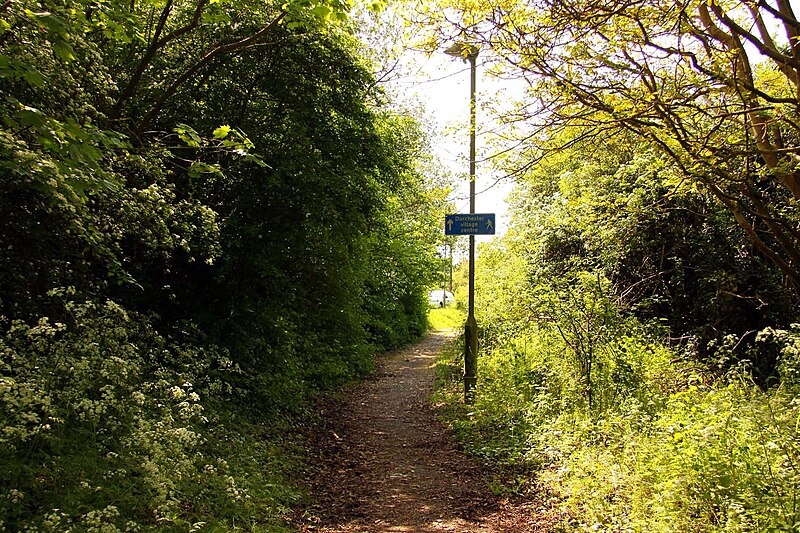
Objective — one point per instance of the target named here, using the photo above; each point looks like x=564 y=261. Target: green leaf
x=222 y=132
x=200 y=168
x=31 y=117
x=188 y=135
x=33 y=76
x=322 y=12
x=52 y=23
x=63 y=51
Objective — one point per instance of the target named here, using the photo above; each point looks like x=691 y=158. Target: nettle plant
x=101 y=418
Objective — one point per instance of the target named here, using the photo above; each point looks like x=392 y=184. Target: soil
x=384 y=463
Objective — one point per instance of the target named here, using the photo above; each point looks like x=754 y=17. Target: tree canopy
x=713 y=85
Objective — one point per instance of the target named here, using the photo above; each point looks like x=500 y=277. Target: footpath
x=384 y=463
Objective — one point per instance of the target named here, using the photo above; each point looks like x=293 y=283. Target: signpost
x=469 y=224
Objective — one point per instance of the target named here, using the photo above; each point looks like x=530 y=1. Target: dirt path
x=386 y=464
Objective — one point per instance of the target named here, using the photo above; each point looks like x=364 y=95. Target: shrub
x=104 y=425
x=672 y=449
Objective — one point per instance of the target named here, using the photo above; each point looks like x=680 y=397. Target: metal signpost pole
x=471 y=327
x=469 y=52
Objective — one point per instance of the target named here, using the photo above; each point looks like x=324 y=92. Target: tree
x=139 y=183
x=205 y=217
x=707 y=83
x=670 y=251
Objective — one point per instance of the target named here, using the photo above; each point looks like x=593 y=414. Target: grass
x=446 y=318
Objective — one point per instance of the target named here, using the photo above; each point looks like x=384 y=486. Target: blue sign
x=469 y=224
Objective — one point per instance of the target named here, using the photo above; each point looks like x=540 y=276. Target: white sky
x=441 y=85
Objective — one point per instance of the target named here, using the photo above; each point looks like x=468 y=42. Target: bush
x=671 y=449
x=783 y=346
x=106 y=425
x=716 y=458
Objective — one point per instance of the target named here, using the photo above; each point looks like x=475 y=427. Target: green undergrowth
x=667 y=445
x=177 y=282
x=496 y=440
x=106 y=426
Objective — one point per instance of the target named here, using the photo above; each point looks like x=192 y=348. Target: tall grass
x=446 y=318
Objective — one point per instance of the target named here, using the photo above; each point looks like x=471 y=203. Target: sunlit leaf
x=222 y=132
x=322 y=12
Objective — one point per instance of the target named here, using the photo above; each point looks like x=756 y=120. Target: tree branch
x=208 y=56
x=787 y=269
x=156 y=44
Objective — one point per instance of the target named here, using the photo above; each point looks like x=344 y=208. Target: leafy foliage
x=671 y=254
x=637 y=353
x=623 y=431
x=103 y=422
x=711 y=85
x=206 y=219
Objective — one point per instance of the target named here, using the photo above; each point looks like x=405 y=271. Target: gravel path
x=386 y=464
